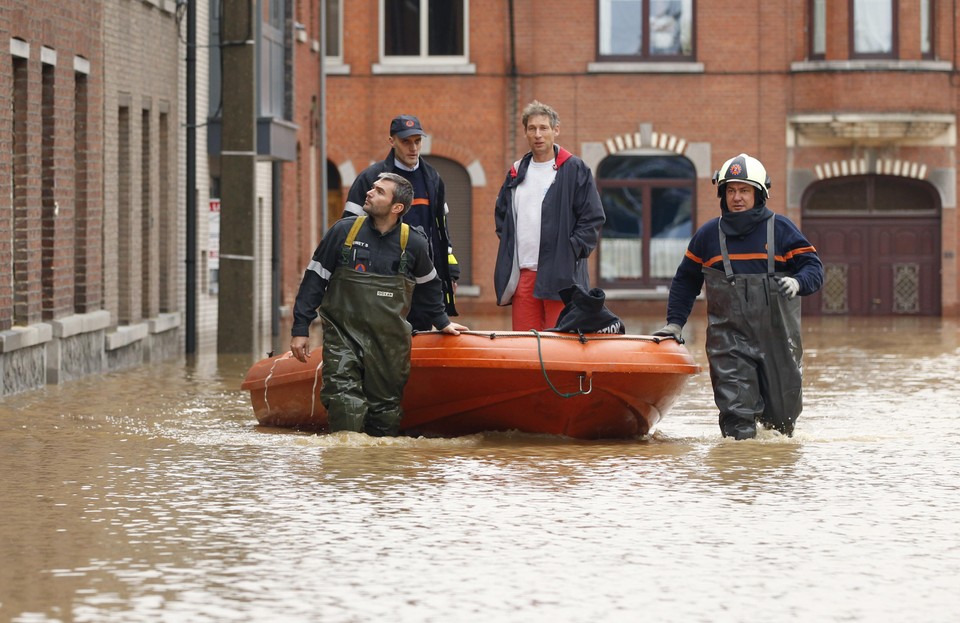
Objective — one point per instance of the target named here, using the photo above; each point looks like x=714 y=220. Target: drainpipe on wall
x=514 y=86
x=276 y=200
x=191 y=165
x=322 y=118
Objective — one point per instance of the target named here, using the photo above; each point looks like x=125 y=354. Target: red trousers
x=529 y=312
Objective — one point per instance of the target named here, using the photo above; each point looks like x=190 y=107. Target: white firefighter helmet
x=743 y=168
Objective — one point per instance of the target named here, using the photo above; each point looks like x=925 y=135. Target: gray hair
x=535 y=108
x=402 y=190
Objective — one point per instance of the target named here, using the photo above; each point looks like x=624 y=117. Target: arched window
x=648 y=201
x=879 y=238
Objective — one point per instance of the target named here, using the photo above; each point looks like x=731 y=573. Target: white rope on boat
x=551 y=335
x=313 y=392
x=266 y=381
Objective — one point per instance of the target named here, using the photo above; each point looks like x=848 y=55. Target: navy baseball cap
x=405 y=125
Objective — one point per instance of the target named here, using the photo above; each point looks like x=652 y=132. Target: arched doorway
x=648 y=201
x=879 y=239
x=459 y=196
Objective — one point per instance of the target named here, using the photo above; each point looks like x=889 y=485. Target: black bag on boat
x=585 y=312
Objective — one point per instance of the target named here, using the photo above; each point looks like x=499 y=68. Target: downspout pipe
x=514 y=86
x=322 y=120
x=275 y=242
x=191 y=181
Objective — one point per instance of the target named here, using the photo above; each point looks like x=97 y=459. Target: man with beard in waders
x=754 y=264
x=364 y=276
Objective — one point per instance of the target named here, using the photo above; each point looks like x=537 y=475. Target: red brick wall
x=43 y=216
x=299 y=233
x=741 y=102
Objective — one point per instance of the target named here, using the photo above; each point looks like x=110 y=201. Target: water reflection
x=152 y=495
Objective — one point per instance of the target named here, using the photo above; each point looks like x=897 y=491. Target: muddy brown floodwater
x=150 y=495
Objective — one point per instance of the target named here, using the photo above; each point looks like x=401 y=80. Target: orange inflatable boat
x=590 y=387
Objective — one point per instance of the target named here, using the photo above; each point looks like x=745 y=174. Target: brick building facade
x=850 y=105
x=50 y=179
x=89 y=159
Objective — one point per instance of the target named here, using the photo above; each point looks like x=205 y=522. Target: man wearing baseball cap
x=428 y=214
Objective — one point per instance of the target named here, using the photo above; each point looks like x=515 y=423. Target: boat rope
x=543 y=369
x=313 y=392
x=549 y=335
x=266 y=384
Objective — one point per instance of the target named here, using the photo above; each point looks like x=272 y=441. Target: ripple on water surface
x=152 y=495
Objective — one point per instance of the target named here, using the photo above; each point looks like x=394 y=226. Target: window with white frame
x=873 y=28
x=333 y=31
x=424 y=30
x=632 y=30
x=926 y=28
x=818 y=28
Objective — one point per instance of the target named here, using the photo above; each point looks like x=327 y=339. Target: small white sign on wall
x=213 y=246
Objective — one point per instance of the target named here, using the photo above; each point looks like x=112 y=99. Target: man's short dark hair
x=402 y=190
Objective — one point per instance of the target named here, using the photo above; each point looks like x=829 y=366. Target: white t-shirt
x=529 y=203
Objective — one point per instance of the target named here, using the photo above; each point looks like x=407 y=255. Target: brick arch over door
x=879 y=239
x=459 y=195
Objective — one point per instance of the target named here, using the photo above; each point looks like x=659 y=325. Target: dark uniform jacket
x=448 y=271
x=571 y=218
x=748 y=255
x=371 y=252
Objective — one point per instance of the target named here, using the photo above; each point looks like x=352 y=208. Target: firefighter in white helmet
x=754 y=263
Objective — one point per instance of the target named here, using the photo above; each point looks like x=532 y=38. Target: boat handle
x=543 y=368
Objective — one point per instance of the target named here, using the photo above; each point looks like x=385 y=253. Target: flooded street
x=150 y=495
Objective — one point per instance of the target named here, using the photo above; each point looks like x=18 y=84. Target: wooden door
x=879 y=240
x=876 y=267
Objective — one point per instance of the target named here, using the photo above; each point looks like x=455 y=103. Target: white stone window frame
x=333 y=63
x=424 y=63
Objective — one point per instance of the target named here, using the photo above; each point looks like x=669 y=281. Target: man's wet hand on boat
x=454 y=328
x=671 y=330
x=300 y=348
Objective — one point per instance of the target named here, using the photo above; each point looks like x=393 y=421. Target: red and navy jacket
x=570 y=223
x=794 y=255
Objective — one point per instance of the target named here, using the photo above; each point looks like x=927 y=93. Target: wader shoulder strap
x=404 y=236
x=727 y=266
x=771 y=246
x=355 y=229
x=348 y=243
x=357 y=224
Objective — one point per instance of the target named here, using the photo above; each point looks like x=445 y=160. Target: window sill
x=652 y=293
x=424 y=68
x=645 y=68
x=871 y=65
x=468 y=291
x=336 y=69
x=20 y=337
